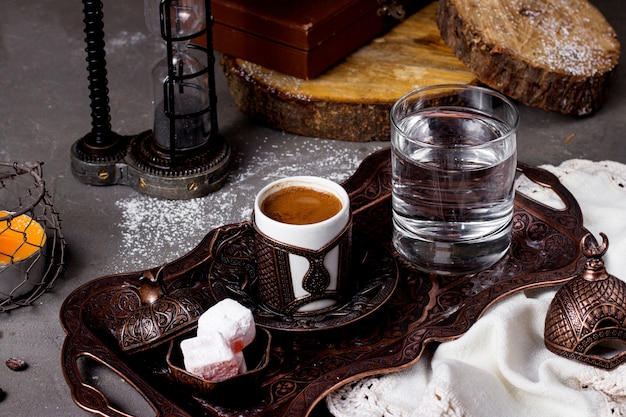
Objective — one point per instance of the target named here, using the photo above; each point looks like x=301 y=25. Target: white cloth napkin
x=501 y=367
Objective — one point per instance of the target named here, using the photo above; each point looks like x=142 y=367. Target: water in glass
x=453 y=174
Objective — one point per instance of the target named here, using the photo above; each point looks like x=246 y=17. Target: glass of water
x=453 y=161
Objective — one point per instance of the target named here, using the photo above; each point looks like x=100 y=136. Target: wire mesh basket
x=32 y=247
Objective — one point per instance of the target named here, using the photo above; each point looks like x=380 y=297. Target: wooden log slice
x=558 y=55
x=351 y=101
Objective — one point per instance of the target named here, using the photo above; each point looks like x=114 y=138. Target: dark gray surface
x=45 y=107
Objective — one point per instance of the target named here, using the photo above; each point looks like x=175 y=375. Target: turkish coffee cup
x=303 y=239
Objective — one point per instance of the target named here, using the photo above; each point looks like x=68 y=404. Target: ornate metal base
x=135 y=161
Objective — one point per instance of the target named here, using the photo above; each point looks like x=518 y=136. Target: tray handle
x=95 y=401
x=547 y=179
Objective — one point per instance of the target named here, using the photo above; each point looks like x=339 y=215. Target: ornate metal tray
x=306 y=365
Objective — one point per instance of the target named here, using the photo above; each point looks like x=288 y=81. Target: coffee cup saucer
x=233 y=275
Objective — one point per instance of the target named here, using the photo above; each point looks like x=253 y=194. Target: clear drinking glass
x=453 y=161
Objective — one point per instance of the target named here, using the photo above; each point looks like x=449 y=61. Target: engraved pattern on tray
x=306 y=365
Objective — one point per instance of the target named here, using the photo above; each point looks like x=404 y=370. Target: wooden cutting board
x=351 y=101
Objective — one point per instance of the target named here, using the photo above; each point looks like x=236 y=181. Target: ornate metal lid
x=160 y=315
x=586 y=320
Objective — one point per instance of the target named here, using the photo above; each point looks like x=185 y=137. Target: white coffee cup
x=282 y=283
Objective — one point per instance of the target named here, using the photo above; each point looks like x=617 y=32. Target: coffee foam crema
x=298 y=204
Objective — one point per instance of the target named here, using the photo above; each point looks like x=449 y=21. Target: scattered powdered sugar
x=156 y=231
x=124 y=39
x=292 y=86
x=565 y=36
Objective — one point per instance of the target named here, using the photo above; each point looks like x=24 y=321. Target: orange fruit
x=20 y=237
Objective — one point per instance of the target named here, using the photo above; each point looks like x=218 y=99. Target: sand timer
x=180 y=81
x=183 y=156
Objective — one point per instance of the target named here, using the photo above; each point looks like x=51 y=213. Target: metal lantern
x=183 y=156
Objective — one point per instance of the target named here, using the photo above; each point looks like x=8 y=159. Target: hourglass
x=180 y=81
x=183 y=156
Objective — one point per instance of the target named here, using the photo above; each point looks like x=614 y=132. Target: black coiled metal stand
x=101 y=144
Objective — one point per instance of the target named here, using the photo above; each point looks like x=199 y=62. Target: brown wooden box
x=297 y=37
